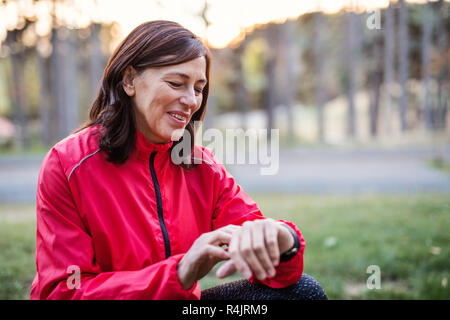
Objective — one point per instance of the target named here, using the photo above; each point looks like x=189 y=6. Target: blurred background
x=359 y=91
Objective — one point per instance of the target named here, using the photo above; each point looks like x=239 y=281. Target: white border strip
x=81 y=162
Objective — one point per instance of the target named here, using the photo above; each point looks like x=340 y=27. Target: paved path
x=312 y=170
x=18 y=178
x=348 y=171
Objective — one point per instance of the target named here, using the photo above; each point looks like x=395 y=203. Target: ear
x=128 y=81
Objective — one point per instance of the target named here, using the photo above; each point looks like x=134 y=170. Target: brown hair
x=151 y=44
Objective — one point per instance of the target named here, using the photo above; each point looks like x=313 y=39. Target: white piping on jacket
x=90 y=155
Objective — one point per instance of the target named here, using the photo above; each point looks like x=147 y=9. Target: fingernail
x=272 y=273
x=247 y=274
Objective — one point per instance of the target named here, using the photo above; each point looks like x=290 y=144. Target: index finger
x=230 y=228
x=271 y=239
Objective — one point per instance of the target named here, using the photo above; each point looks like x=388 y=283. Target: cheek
x=199 y=102
x=154 y=107
x=141 y=102
x=199 y=105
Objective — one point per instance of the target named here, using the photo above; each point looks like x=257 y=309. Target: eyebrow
x=183 y=75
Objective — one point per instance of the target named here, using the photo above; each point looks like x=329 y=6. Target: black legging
x=307 y=288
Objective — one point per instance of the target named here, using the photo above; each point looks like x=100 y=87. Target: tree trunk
x=319 y=62
x=426 y=51
x=290 y=80
x=388 y=66
x=375 y=85
x=17 y=58
x=57 y=89
x=443 y=87
x=241 y=89
x=211 y=111
x=44 y=98
x=96 y=64
x=403 y=57
x=352 y=56
x=70 y=114
x=270 y=77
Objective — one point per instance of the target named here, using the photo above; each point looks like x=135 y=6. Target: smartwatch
x=288 y=255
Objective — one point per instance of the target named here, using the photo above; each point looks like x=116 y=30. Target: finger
x=246 y=250
x=235 y=256
x=271 y=238
x=230 y=228
x=260 y=249
x=226 y=269
x=216 y=253
x=219 y=237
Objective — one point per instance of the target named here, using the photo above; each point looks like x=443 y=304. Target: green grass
x=405 y=235
x=17 y=250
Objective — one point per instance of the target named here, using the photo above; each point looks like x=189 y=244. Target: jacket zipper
x=159 y=205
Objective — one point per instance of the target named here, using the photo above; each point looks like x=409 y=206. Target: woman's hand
x=256 y=248
x=203 y=255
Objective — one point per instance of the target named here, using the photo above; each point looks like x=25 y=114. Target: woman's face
x=164 y=99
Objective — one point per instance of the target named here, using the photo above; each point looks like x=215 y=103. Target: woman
x=117 y=219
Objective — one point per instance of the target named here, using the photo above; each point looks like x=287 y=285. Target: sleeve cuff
x=287 y=272
x=192 y=293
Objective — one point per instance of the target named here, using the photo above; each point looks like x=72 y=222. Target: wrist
x=183 y=276
x=286 y=240
x=292 y=252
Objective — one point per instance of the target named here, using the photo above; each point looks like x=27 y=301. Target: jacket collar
x=145 y=147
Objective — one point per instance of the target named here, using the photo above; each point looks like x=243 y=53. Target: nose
x=189 y=99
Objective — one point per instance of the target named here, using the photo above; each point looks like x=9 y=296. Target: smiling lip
x=173 y=115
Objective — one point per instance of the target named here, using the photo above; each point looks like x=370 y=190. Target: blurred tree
x=319 y=34
x=306 y=84
x=56 y=64
x=426 y=55
x=64 y=66
x=96 y=64
x=352 y=55
x=239 y=82
x=18 y=55
x=374 y=81
x=56 y=89
x=388 y=66
x=270 y=93
x=253 y=63
x=69 y=116
x=403 y=61
x=443 y=85
x=212 y=95
x=44 y=96
x=289 y=55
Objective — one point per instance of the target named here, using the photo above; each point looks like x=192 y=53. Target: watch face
x=288 y=255
x=293 y=251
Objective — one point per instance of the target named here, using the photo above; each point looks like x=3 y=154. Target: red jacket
x=125 y=227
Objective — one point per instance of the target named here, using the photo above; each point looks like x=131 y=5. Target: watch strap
x=288 y=255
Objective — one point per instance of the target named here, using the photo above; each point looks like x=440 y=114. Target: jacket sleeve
x=65 y=257
x=234 y=206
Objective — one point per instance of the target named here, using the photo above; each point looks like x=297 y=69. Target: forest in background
x=321 y=78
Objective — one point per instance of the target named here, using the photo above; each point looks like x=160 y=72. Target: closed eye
x=174 y=84
x=179 y=85
x=199 y=90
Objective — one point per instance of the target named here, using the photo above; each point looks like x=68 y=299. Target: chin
x=177 y=134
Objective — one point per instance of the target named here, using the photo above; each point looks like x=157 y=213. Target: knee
x=308 y=288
